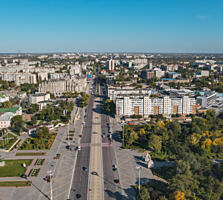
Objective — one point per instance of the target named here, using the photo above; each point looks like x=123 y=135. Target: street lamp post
x=139 y=169
x=51 y=185
x=123 y=134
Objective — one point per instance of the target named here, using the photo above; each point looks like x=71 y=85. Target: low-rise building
x=205 y=73
x=3 y=98
x=5 y=119
x=36 y=98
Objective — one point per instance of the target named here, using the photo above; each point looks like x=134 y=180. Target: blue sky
x=111 y=25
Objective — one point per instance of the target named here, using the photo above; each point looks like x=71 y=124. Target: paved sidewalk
x=127 y=161
x=40 y=189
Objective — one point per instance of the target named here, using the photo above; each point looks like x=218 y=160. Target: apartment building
x=111 y=64
x=43 y=76
x=147 y=74
x=19 y=78
x=57 y=87
x=113 y=92
x=145 y=105
x=207 y=100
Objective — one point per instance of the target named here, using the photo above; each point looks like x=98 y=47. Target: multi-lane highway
x=112 y=189
x=81 y=187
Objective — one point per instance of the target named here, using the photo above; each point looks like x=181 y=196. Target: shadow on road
x=118 y=196
x=139 y=158
x=46 y=196
x=130 y=192
x=116 y=136
x=142 y=164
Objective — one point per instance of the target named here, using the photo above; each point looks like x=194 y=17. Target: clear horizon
x=132 y=26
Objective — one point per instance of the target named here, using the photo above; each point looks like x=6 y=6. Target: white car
x=79 y=148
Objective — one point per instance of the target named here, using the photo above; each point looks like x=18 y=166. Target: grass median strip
x=31 y=154
x=15 y=183
x=39 y=162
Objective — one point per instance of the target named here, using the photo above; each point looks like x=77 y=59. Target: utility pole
x=139 y=169
x=123 y=134
x=68 y=134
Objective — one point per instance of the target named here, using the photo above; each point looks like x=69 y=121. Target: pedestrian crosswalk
x=105 y=144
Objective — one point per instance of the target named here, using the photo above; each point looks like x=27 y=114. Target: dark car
x=85 y=168
x=23 y=176
x=117 y=181
x=94 y=173
x=57 y=156
x=78 y=196
x=114 y=167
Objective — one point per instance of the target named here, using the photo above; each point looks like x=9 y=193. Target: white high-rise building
x=166 y=105
x=144 y=105
x=111 y=64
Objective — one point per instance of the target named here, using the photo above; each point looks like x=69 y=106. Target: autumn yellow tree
x=177 y=195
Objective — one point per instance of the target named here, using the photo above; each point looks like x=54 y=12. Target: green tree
x=133 y=137
x=17 y=123
x=33 y=108
x=7 y=104
x=33 y=120
x=155 y=142
x=42 y=132
x=144 y=194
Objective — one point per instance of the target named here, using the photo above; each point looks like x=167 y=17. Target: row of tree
x=84 y=100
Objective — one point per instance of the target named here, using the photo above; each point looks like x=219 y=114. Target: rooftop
x=6 y=116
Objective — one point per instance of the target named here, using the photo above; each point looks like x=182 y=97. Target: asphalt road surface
x=79 y=188
x=112 y=189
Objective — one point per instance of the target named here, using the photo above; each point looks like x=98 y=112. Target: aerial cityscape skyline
x=111 y=26
x=111 y=100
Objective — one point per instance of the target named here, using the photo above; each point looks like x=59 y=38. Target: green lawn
x=38 y=143
x=14 y=168
x=15 y=183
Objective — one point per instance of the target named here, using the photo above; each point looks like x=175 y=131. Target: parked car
x=117 y=181
x=114 y=167
x=57 y=156
x=47 y=178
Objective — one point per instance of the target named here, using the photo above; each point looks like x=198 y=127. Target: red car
x=47 y=178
